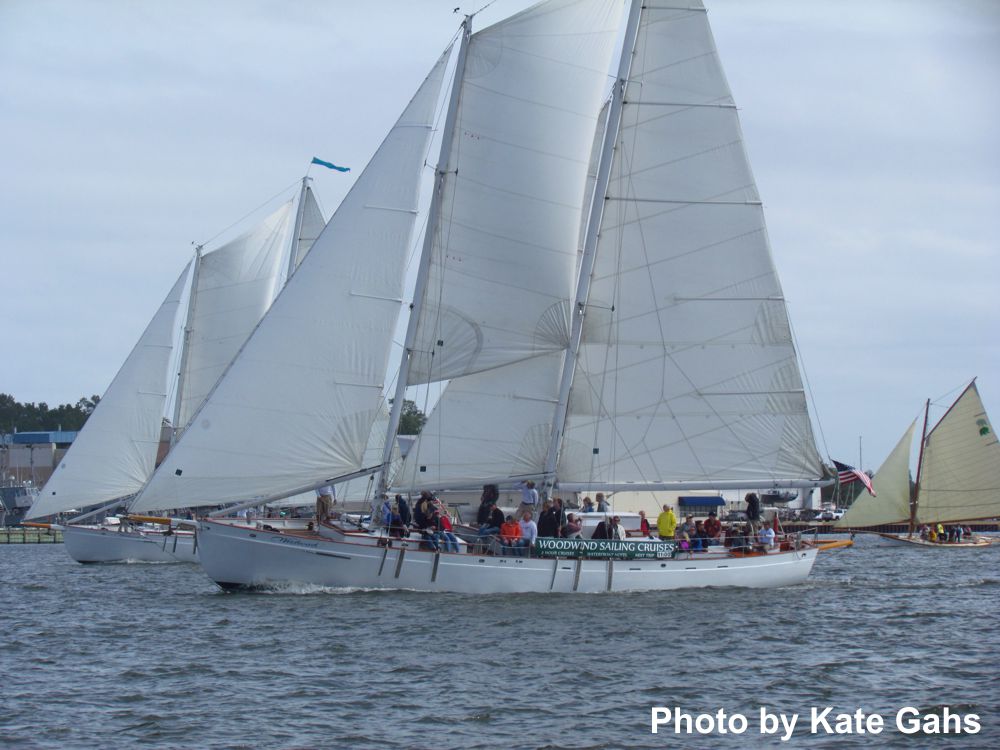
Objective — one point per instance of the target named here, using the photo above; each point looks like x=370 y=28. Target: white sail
x=502 y=267
x=310 y=228
x=234 y=286
x=297 y=404
x=960 y=474
x=687 y=371
x=115 y=452
x=892 y=481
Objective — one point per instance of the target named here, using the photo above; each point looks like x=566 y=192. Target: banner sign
x=638 y=549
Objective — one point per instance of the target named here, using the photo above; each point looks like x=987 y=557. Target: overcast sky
x=132 y=129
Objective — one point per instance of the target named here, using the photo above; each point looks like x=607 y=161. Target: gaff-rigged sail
x=115 y=452
x=297 y=404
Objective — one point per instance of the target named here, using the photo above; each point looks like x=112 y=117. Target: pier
x=24 y=535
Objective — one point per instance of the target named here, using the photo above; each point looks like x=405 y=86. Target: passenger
x=510 y=536
x=932 y=535
x=386 y=512
x=602 y=504
x=529 y=533
x=404 y=511
x=644 y=524
x=688 y=527
x=397 y=529
x=326 y=498
x=753 y=509
x=940 y=533
x=923 y=532
x=958 y=534
x=588 y=505
x=617 y=531
x=548 y=521
x=441 y=525
x=422 y=512
x=766 y=537
x=712 y=528
x=529 y=499
x=560 y=513
x=490 y=527
x=666 y=523
x=571 y=529
x=700 y=537
x=603 y=530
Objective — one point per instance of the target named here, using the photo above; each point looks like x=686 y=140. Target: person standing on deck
x=666 y=523
x=326 y=498
x=529 y=499
x=753 y=509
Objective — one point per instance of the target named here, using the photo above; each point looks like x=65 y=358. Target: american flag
x=847 y=474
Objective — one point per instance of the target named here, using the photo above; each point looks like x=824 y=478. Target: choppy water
x=122 y=656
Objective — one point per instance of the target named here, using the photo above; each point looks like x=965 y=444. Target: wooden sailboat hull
x=101 y=545
x=899 y=539
x=243 y=558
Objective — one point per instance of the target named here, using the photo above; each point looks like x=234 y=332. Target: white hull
x=92 y=544
x=240 y=557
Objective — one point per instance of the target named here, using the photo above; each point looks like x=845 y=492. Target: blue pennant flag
x=328 y=165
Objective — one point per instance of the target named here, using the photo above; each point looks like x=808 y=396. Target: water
x=124 y=656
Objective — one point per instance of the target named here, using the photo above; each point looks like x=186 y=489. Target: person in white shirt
x=529 y=532
x=326 y=498
x=766 y=536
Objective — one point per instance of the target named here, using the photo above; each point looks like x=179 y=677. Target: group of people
x=696 y=536
x=429 y=516
x=516 y=533
x=941 y=534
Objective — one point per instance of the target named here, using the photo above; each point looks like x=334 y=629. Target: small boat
x=958 y=473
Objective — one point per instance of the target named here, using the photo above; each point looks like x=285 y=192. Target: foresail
x=960 y=476
x=892 y=482
x=488 y=427
x=687 y=371
x=115 y=452
x=297 y=405
x=235 y=285
x=503 y=261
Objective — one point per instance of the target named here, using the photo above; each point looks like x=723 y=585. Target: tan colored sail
x=960 y=477
x=892 y=482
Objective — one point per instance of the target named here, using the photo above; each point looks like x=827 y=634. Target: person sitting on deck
x=489 y=527
x=510 y=535
x=666 y=523
x=423 y=509
x=571 y=529
x=766 y=537
x=932 y=534
x=404 y=511
x=385 y=513
x=529 y=533
x=700 y=539
x=441 y=525
x=712 y=528
x=616 y=530
x=397 y=530
x=588 y=505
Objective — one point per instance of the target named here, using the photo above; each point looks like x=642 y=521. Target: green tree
x=411 y=420
x=30 y=417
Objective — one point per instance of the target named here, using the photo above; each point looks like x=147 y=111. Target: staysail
x=297 y=404
x=114 y=453
x=893 y=483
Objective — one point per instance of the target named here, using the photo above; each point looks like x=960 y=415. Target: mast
x=185 y=346
x=920 y=463
x=423 y=270
x=293 y=250
x=590 y=241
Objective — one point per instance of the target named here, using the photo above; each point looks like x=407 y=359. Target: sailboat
x=228 y=290
x=596 y=287
x=957 y=479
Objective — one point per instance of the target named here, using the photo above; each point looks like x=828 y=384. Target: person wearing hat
x=712 y=528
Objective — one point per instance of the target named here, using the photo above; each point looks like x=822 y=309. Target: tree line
x=40 y=417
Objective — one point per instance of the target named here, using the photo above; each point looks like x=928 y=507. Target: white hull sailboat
x=595 y=286
x=244 y=558
x=957 y=479
x=100 y=544
x=230 y=289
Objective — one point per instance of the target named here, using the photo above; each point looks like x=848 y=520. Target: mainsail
x=296 y=406
x=114 y=453
x=960 y=474
x=686 y=373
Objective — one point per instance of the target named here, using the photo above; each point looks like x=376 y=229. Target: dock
x=24 y=535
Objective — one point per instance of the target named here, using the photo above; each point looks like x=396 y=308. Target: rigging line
x=809 y=390
x=285 y=189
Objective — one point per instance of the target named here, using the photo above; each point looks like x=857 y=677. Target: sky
x=133 y=130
